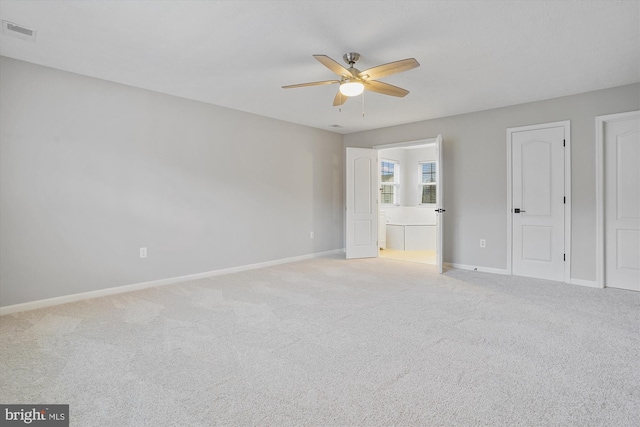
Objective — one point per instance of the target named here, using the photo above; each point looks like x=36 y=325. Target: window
x=389 y=173
x=428 y=183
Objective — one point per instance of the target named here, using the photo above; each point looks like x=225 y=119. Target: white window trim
x=395 y=183
x=422 y=184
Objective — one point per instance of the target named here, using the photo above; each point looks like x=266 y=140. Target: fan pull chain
x=362 y=104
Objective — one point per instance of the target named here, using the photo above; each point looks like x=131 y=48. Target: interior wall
x=475 y=171
x=92 y=170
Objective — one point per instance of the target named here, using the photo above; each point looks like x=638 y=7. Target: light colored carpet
x=330 y=342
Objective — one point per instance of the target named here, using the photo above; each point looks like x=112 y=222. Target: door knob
x=517 y=210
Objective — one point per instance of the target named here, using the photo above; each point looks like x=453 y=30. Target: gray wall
x=92 y=170
x=475 y=171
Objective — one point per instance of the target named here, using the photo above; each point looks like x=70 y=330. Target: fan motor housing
x=351 y=57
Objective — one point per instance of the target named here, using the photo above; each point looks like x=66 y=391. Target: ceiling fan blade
x=326 y=82
x=339 y=99
x=332 y=65
x=385 y=88
x=388 y=69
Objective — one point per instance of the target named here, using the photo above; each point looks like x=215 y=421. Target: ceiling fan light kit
x=351 y=88
x=353 y=82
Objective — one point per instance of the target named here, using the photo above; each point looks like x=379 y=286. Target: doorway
x=408 y=189
x=369 y=196
x=539 y=201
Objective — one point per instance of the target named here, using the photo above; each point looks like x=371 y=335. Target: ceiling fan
x=353 y=81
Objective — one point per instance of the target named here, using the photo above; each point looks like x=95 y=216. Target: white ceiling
x=474 y=55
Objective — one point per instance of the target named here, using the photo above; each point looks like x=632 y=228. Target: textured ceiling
x=473 y=55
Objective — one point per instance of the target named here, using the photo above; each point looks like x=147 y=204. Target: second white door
x=439 y=205
x=622 y=201
x=538 y=202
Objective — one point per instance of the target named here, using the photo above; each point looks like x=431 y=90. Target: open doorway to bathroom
x=408 y=188
x=365 y=230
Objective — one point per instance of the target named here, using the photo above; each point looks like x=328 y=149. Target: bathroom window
x=389 y=172
x=428 y=183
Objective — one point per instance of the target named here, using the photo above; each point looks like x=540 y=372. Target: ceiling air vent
x=18 y=31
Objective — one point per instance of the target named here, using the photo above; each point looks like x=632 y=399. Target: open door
x=439 y=204
x=362 y=203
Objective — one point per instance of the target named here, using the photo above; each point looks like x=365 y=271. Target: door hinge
x=564 y=199
x=564 y=142
x=564 y=257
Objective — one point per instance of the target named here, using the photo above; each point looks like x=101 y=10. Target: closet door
x=622 y=201
x=538 y=202
x=362 y=203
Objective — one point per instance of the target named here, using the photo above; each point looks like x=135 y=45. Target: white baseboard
x=476 y=268
x=32 y=305
x=582 y=282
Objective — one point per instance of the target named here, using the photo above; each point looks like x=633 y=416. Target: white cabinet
x=395 y=237
x=382 y=231
x=411 y=237
x=420 y=238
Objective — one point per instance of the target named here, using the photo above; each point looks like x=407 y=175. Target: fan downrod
x=351 y=58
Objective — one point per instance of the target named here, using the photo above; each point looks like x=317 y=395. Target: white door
x=439 y=205
x=362 y=203
x=538 y=199
x=622 y=202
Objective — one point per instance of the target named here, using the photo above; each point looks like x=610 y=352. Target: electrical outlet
x=312 y=235
x=483 y=243
x=143 y=252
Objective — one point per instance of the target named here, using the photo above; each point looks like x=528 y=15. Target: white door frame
x=567 y=191
x=600 y=122
x=406 y=143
